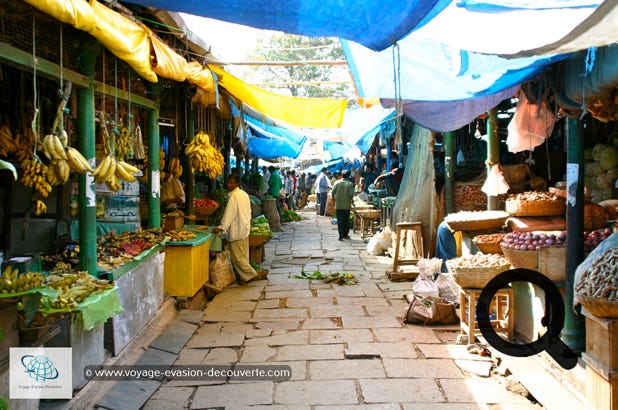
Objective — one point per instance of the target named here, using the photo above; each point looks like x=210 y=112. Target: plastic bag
x=430 y=310
x=380 y=242
x=221 y=271
x=495 y=184
x=530 y=126
x=449 y=289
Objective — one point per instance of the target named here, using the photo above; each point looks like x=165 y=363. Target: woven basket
x=522 y=259
x=370 y=213
x=203 y=211
x=599 y=307
x=515 y=207
x=258 y=240
x=484 y=220
x=487 y=247
x=475 y=278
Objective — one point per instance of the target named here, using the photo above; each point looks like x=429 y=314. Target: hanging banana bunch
x=123 y=142
x=7 y=143
x=161 y=159
x=139 y=152
x=175 y=167
x=39 y=207
x=35 y=175
x=205 y=157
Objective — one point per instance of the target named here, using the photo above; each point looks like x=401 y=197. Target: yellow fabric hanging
x=126 y=39
x=302 y=112
x=166 y=62
x=200 y=76
x=77 y=13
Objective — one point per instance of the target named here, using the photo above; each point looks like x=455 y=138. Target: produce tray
x=476 y=220
x=477 y=277
x=599 y=307
x=516 y=207
x=203 y=211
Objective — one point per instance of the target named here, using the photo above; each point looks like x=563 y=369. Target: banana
x=102 y=169
x=123 y=173
x=77 y=161
x=41 y=208
x=47 y=150
x=132 y=169
x=58 y=147
x=113 y=183
x=110 y=171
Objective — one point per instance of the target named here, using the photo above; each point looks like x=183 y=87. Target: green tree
x=300 y=80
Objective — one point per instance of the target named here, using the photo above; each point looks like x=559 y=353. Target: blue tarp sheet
x=269 y=146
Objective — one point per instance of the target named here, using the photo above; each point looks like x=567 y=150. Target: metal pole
x=449 y=172
x=573 y=333
x=154 y=180
x=493 y=153
x=86 y=145
x=190 y=177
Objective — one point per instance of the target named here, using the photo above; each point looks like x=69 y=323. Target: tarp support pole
x=188 y=171
x=573 y=333
x=493 y=154
x=86 y=145
x=154 y=144
x=449 y=171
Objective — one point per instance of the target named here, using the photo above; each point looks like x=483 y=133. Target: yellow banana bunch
x=126 y=171
x=204 y=157
x=161 y=158
x=77 y=162
x=35 y=175
x=175 y=167
x=58 y=172
x=12 y=282
x=53 y=148
x=40 y=207
x=113 y=183
x=7 y=143
x=105 y=170
x=124 y=142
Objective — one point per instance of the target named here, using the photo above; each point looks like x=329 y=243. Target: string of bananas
x=35 y=175
x=110 y=171
x=205 y=157
x=7 y=143
x=39 y=207
x=175 y=167
x=124 y=142
x=12 y=282
x=179 y=235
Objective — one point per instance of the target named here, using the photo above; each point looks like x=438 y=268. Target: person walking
x=265 y=179
x=322 y=188
x=236 y=222
x=274 y=187
x=343 y=194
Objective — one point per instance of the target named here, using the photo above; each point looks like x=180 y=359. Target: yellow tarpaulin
x=302 y=112
x=166 y=62
x=200 y=76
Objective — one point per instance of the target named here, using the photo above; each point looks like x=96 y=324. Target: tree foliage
x=300 y=80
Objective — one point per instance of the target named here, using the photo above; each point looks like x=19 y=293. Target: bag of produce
x=221 y=271
x=602 y=278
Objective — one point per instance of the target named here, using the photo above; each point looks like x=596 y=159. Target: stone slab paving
x=174 y=337
x=128 y=394
x=347 y=346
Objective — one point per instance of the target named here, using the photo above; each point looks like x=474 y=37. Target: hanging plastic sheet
x=268 y=146
x=77 y=13
x=302 y=112
x=169 y=64
x=530 y=126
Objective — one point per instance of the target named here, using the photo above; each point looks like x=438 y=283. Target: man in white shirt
x=236 y=222
x=322 y=188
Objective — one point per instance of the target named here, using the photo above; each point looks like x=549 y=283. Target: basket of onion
x=522 y=248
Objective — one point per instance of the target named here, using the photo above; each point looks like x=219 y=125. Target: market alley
x=346 y=345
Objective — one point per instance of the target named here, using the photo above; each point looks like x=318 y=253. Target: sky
x=229 y=42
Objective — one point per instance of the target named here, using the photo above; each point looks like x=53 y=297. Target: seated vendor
x=172 y=193
x=392 y=180
x=446 y=245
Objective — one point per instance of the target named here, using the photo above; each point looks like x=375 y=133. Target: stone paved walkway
x=346 y=345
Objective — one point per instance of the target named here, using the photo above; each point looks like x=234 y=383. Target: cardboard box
x=602 y=340
x=174 y=223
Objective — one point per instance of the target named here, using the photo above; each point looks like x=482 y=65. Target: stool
x=408 y=245
x=368 y=219
x=502 y=304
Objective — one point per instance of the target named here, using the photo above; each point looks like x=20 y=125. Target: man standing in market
x=343 y=194
x=322 y=188
x=274 y=187
x=236 y=222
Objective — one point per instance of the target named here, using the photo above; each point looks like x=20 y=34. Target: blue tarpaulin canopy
x=268 y=146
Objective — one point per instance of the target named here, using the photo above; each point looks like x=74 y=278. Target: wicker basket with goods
x=469 y=197
x=204 y=207
x=535 y=203
x=522 y=248
x=476 y=220
x=489 y=243
x=475 y=271
x=597 y=287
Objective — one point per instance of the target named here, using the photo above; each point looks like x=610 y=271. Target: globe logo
x=39 y=368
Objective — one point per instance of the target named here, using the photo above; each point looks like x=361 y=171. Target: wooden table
x=502 y=304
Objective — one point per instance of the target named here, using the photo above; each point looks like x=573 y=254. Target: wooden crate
x=602 y=340
x=601 y=391
x=552 y=262
x=175 y=223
